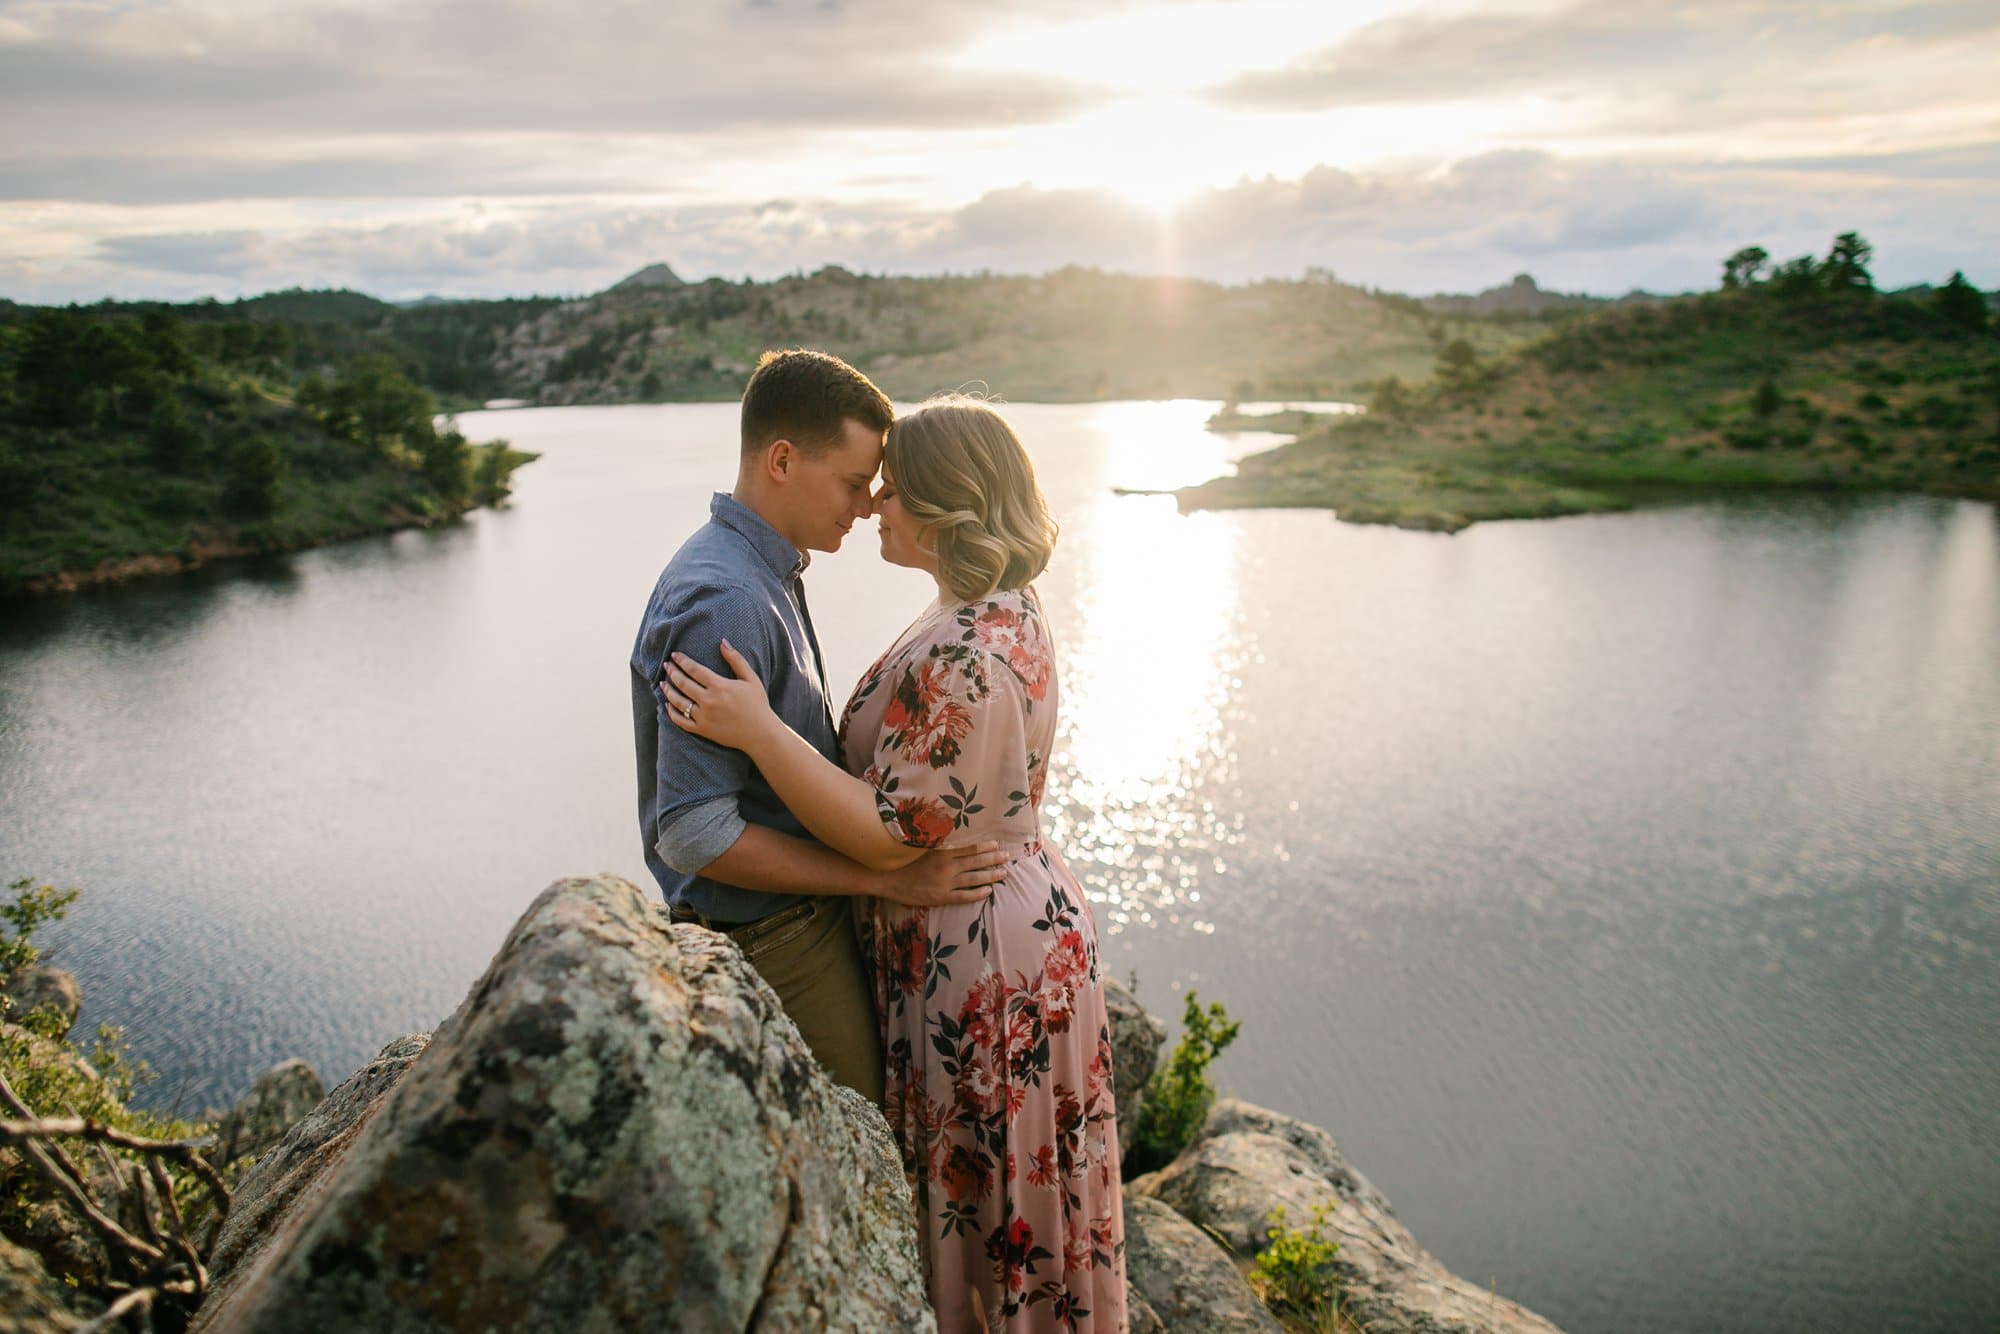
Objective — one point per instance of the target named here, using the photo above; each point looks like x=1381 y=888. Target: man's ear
x=779 y=456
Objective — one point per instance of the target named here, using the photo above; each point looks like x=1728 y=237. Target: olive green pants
x=811 y=959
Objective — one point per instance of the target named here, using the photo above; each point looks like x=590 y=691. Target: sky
x=185 y=148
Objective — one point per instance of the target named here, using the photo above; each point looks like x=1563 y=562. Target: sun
x=1161 y=196
x=1154 y=152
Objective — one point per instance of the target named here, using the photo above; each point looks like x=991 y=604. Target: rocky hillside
x=1076 y=334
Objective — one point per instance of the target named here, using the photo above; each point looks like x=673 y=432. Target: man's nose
x=866 y=506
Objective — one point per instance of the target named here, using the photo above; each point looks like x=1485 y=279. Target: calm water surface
x=1623 y=892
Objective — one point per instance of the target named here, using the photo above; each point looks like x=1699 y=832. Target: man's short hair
x=807 y=397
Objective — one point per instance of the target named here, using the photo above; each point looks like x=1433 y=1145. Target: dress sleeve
x=953 y=744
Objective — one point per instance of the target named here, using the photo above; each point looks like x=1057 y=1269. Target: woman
x=993 y=1019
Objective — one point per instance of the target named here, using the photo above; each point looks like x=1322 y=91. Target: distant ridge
x=653 y=275
x=1523 y=297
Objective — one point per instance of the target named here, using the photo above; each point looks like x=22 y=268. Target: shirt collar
x=785 y=560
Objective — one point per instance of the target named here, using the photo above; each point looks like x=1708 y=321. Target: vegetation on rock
x=1178 y=1096
x=1294 y=1272
x=120 y=1205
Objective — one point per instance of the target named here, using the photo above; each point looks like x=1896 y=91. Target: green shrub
x=1873 y=401
x=170 y=436
x=255 y=473
x=1767 y=400
x=447 y=465
x=1178 y=1097
x=493 y=472
x=1943 y=413
x=53 y=1078
x=32 y=906
x=1294 y=1272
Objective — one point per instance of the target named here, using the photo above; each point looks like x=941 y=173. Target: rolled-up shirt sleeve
x=698 y=782
x=693 y=836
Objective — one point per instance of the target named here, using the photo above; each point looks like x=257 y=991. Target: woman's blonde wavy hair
x=962 y=474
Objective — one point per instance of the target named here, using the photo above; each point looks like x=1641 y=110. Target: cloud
x=189 y=75
x=191 y=146
x=1725 y=78
x=1591 y=225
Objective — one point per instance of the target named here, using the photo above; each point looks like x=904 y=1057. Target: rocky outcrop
x=1181 y=1277
x=291 y=1169
x=30 y=1301
x=653 y=275
x=1248 y=1161
x=41 y=987
x=285 y=1093
x=1135 y=1048
x=618 y=1127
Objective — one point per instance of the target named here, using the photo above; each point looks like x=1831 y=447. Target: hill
x=1805 y=377
x=653 y=275
x=133 y=443
x=1523 y=297
x=1076 y=334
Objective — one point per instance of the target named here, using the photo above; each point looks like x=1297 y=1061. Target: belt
x=747 y=933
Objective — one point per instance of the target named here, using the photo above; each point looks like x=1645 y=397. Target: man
x=725 y=850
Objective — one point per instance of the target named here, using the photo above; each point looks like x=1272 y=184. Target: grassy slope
x=1067 y=336
x=94 y=502
x=1655 y=403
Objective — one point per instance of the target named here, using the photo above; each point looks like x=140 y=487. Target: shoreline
x=1372 y=472
x=204 y=555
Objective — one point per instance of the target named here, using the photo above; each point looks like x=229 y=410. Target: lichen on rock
x=1248 y=1161
x=619 y=1128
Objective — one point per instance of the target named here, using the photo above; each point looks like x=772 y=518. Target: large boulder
x=41 y=987
x=1136 y=1037
x=618 y=1129
x=1180 y=1279
x=1247 y=1161
x=319 y=1140
x=274 y=1104
x=30 y=1301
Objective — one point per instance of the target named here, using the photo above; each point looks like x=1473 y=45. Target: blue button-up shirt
x=736 y=578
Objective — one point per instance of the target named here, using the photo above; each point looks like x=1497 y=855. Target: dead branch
x=139 y=1299
x=186 y=1152
x=167 y=1261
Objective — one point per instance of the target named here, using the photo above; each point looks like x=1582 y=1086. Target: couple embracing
x=885 y=872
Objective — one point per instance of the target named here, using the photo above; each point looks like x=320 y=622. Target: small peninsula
x=134 y=442
x=1798 y=377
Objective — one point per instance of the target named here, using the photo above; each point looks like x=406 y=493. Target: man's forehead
x=861 y=450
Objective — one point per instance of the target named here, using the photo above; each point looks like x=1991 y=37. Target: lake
x=1623 y=891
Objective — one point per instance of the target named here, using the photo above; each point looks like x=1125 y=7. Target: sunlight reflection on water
x=1146 y=677
x=1149 y=662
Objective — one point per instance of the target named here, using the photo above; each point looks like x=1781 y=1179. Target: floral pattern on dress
x=997 y=1042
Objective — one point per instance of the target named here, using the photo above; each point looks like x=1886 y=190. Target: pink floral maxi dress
x=993 y=1020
